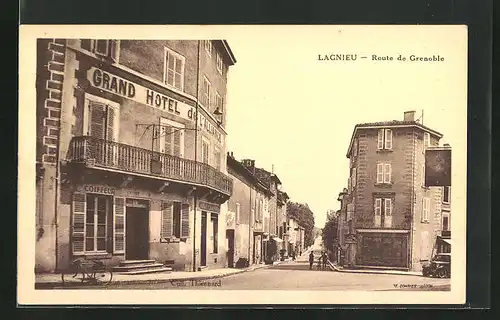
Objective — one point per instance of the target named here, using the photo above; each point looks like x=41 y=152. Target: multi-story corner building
x=393 y=218
x=131 y=147
x=270 y=210
x=245 y=213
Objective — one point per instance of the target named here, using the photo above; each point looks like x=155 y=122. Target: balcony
x=125 y=158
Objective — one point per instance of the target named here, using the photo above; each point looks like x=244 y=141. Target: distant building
x=392 y=219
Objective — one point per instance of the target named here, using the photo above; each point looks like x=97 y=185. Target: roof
x=390 y=124
x=228 y=51
x=241 y=169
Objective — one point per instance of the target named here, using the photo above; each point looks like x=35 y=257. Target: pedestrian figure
x=311 y=260
x=293 y=255
x=324 y=259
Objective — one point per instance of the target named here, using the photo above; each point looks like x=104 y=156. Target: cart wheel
x=442 y=273
x=103 y=277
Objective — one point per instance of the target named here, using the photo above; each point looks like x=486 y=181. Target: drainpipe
x=412 y=207
x=195 y=156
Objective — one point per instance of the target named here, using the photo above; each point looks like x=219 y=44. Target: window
x=96 y=218
x=220 y=63
x=355 y=147
x=208 y=47
x=237 y=213
x=171 y=136
x=218 y=102
x=423 y=175
x=217 y=156
x=388 y=139
x=104 y=48
x=427 y=140
x=101 y=119
x=384 y=172
x=205 y=149
x=446 y=222
x=354 y=177
x=173 y=72
x=384 y=139
x=383 y=209
x=215 y=232
x=175 y=220
x=446 y=194
x=426 y=207
x=205 y=95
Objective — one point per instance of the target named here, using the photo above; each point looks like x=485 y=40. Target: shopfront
x=382 y=249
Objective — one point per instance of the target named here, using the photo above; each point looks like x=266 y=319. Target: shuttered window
x=426 y=202
x=354 y=177
x=378 y=212
x=119 y=226
x=206 y=94
x=175 y=220
x=388 y=213
x=171 y=138
x=380 y=173
x=166 y=219
x=185 y=220
x=174 y=69
x=102 y=120
x=380 y=139
x=387 y=173
x=78 y=232
x=384 y=172
x=205 y=149
x=104 y=48
x=388 y=139
x=427 y=140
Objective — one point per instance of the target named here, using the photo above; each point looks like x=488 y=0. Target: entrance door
x=230 y=249
x=137 y=234
x=203 y=251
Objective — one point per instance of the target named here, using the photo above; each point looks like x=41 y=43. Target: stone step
x=132 y=262
x=148 y=270
x=137 y=267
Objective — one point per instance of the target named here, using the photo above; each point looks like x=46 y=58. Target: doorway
x=137 y=228
x=230 y=248
x=203 y=249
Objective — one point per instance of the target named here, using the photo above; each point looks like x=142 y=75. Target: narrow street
x=297 y=276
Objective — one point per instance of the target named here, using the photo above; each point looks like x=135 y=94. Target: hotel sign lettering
x=130 y=90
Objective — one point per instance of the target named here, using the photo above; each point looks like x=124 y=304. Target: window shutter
x=110 y=133
x=97 y=117
x=119 y=226
x=166 y=219
x=78 y=234
x=380 y=172
x=388 y=139
x=185 y=220
x=378 y=209
x=423 y=175
x=380 y=140
x=354 y=177
x=427 y=139
x=387 y=173
x=388 y=213
x=115 y=49
x=177 y=142
x=167 y=134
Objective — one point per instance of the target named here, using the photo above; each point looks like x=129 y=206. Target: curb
x=373 y=272
x=41 y=285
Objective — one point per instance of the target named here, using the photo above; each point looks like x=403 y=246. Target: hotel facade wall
x=80 y=74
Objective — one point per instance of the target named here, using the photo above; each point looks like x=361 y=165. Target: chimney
x=409 y=116
x=249 y=164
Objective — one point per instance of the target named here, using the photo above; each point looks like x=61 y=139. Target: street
x=297 y=276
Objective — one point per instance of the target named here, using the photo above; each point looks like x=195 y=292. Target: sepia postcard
x=194 y=165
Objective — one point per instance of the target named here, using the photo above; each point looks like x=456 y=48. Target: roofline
x=251 y=177
x=360 y=126
x=229 y=51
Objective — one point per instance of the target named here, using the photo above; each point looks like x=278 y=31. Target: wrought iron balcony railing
x=123 y=157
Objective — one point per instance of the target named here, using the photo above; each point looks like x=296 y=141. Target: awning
x=277 y=239
x=448 y=241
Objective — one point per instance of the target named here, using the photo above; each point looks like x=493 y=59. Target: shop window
x=215 y=232
x=174 y=69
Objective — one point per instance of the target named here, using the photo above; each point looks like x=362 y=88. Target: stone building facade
x=131 y=148
x=391 y=218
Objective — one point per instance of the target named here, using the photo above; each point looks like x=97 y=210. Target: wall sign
x=130 y=90
x=207 y=206
x=99 y=189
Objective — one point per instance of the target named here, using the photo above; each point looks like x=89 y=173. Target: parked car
x=439 y=266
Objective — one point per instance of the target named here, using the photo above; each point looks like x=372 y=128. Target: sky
x=288 y=110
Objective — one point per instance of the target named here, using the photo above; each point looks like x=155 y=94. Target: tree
x=305 y=218
x=329 y=234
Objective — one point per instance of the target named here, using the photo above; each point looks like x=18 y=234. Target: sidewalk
x=54 y=279
x=374 y=271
